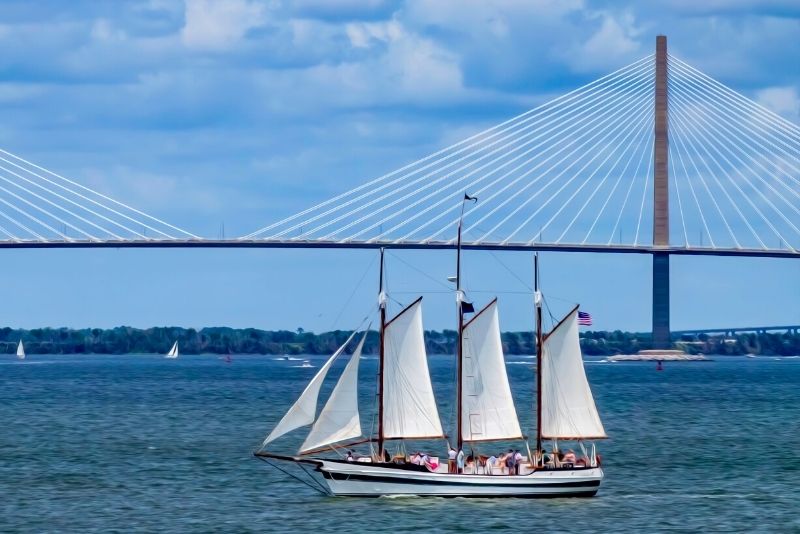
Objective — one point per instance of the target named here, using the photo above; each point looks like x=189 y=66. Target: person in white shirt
x=491 y=461
x=460 y=461
x=451 y=460
x=517 y=461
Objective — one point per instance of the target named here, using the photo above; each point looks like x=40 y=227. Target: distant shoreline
x=224 y=340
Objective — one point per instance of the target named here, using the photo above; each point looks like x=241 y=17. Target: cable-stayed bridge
x=655 y=158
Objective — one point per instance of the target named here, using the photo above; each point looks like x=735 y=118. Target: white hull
x=365 y=480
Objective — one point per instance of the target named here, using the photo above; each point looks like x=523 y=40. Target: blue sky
x=239 y=113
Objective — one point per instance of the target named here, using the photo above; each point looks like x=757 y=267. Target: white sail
x=20 y=351
x=568 y=409
x=409 y=407
x=339 y=419
x=304 y=410
x=488 y=411
x=173 y=352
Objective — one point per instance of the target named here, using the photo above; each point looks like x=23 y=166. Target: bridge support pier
x=661 y=332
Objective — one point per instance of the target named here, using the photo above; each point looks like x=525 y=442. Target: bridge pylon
x=661 y=331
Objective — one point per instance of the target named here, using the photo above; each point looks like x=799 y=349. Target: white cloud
x=612 y=45
x=103 y=30
x=364 y=34
x=784 y=101
x=215 y=25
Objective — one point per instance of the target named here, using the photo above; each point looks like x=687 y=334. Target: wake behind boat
x=407 y=410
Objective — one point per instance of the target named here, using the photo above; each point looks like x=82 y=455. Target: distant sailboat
x=173 y=352
x=20 y=351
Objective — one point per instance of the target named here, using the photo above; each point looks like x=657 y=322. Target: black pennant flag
x=467 y=307
x=467 y=197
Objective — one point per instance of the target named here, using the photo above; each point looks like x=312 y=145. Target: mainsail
x=173 y=352
x=409 y=407
x=20 y=351
x=568 y=409
x=304 y=410
x=488 y=411
x=339 y=419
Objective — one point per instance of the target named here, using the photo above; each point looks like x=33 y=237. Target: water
x=139 y=443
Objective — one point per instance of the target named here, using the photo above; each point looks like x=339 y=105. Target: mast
x=539 y=340
x=460 y=344
x=382 y=306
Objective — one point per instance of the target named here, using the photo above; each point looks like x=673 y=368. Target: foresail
x=488 y=411
x=409 y=407
x=568 y=408
x=20 y=351
x=339 y=419
x=304 y=410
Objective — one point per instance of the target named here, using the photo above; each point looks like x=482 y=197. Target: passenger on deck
x=350 y=456
x=517 y=461
x=491 y=461
x=511 y=462
x=569 y=458
x=460 y=461
x=416 y=459
x=451 y=460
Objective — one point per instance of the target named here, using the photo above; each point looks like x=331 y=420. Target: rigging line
x=511 y=272
x=735 y=131
x=614 y=121
x=420 y=271
x=790 y=129
x=708 y=190
x=564 y=97
x=738 y=148
x=39 y=208
x=67 y=199
x=630 y=186
x=561 y=128
x=617 y=100
x=650 y=170
x=430 y=184
x=675 y=135
x=744 y=117
x=632 y=135
x=118 y=203
x=678 y=193
x=695 y=128
x=622 y=119
x=352 y=293
x=647 y=128
x=685 y=125
x=19 y=224
x=12 y=182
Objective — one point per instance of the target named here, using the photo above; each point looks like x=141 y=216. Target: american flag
x=584 y=319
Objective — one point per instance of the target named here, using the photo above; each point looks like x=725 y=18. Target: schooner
x=407 y=410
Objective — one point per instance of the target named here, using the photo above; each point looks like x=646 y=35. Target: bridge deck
x=430 y=245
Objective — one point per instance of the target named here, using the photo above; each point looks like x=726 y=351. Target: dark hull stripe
x=439 y=482
x=492 y=495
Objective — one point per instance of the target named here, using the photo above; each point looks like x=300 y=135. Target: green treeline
x=221 y=340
